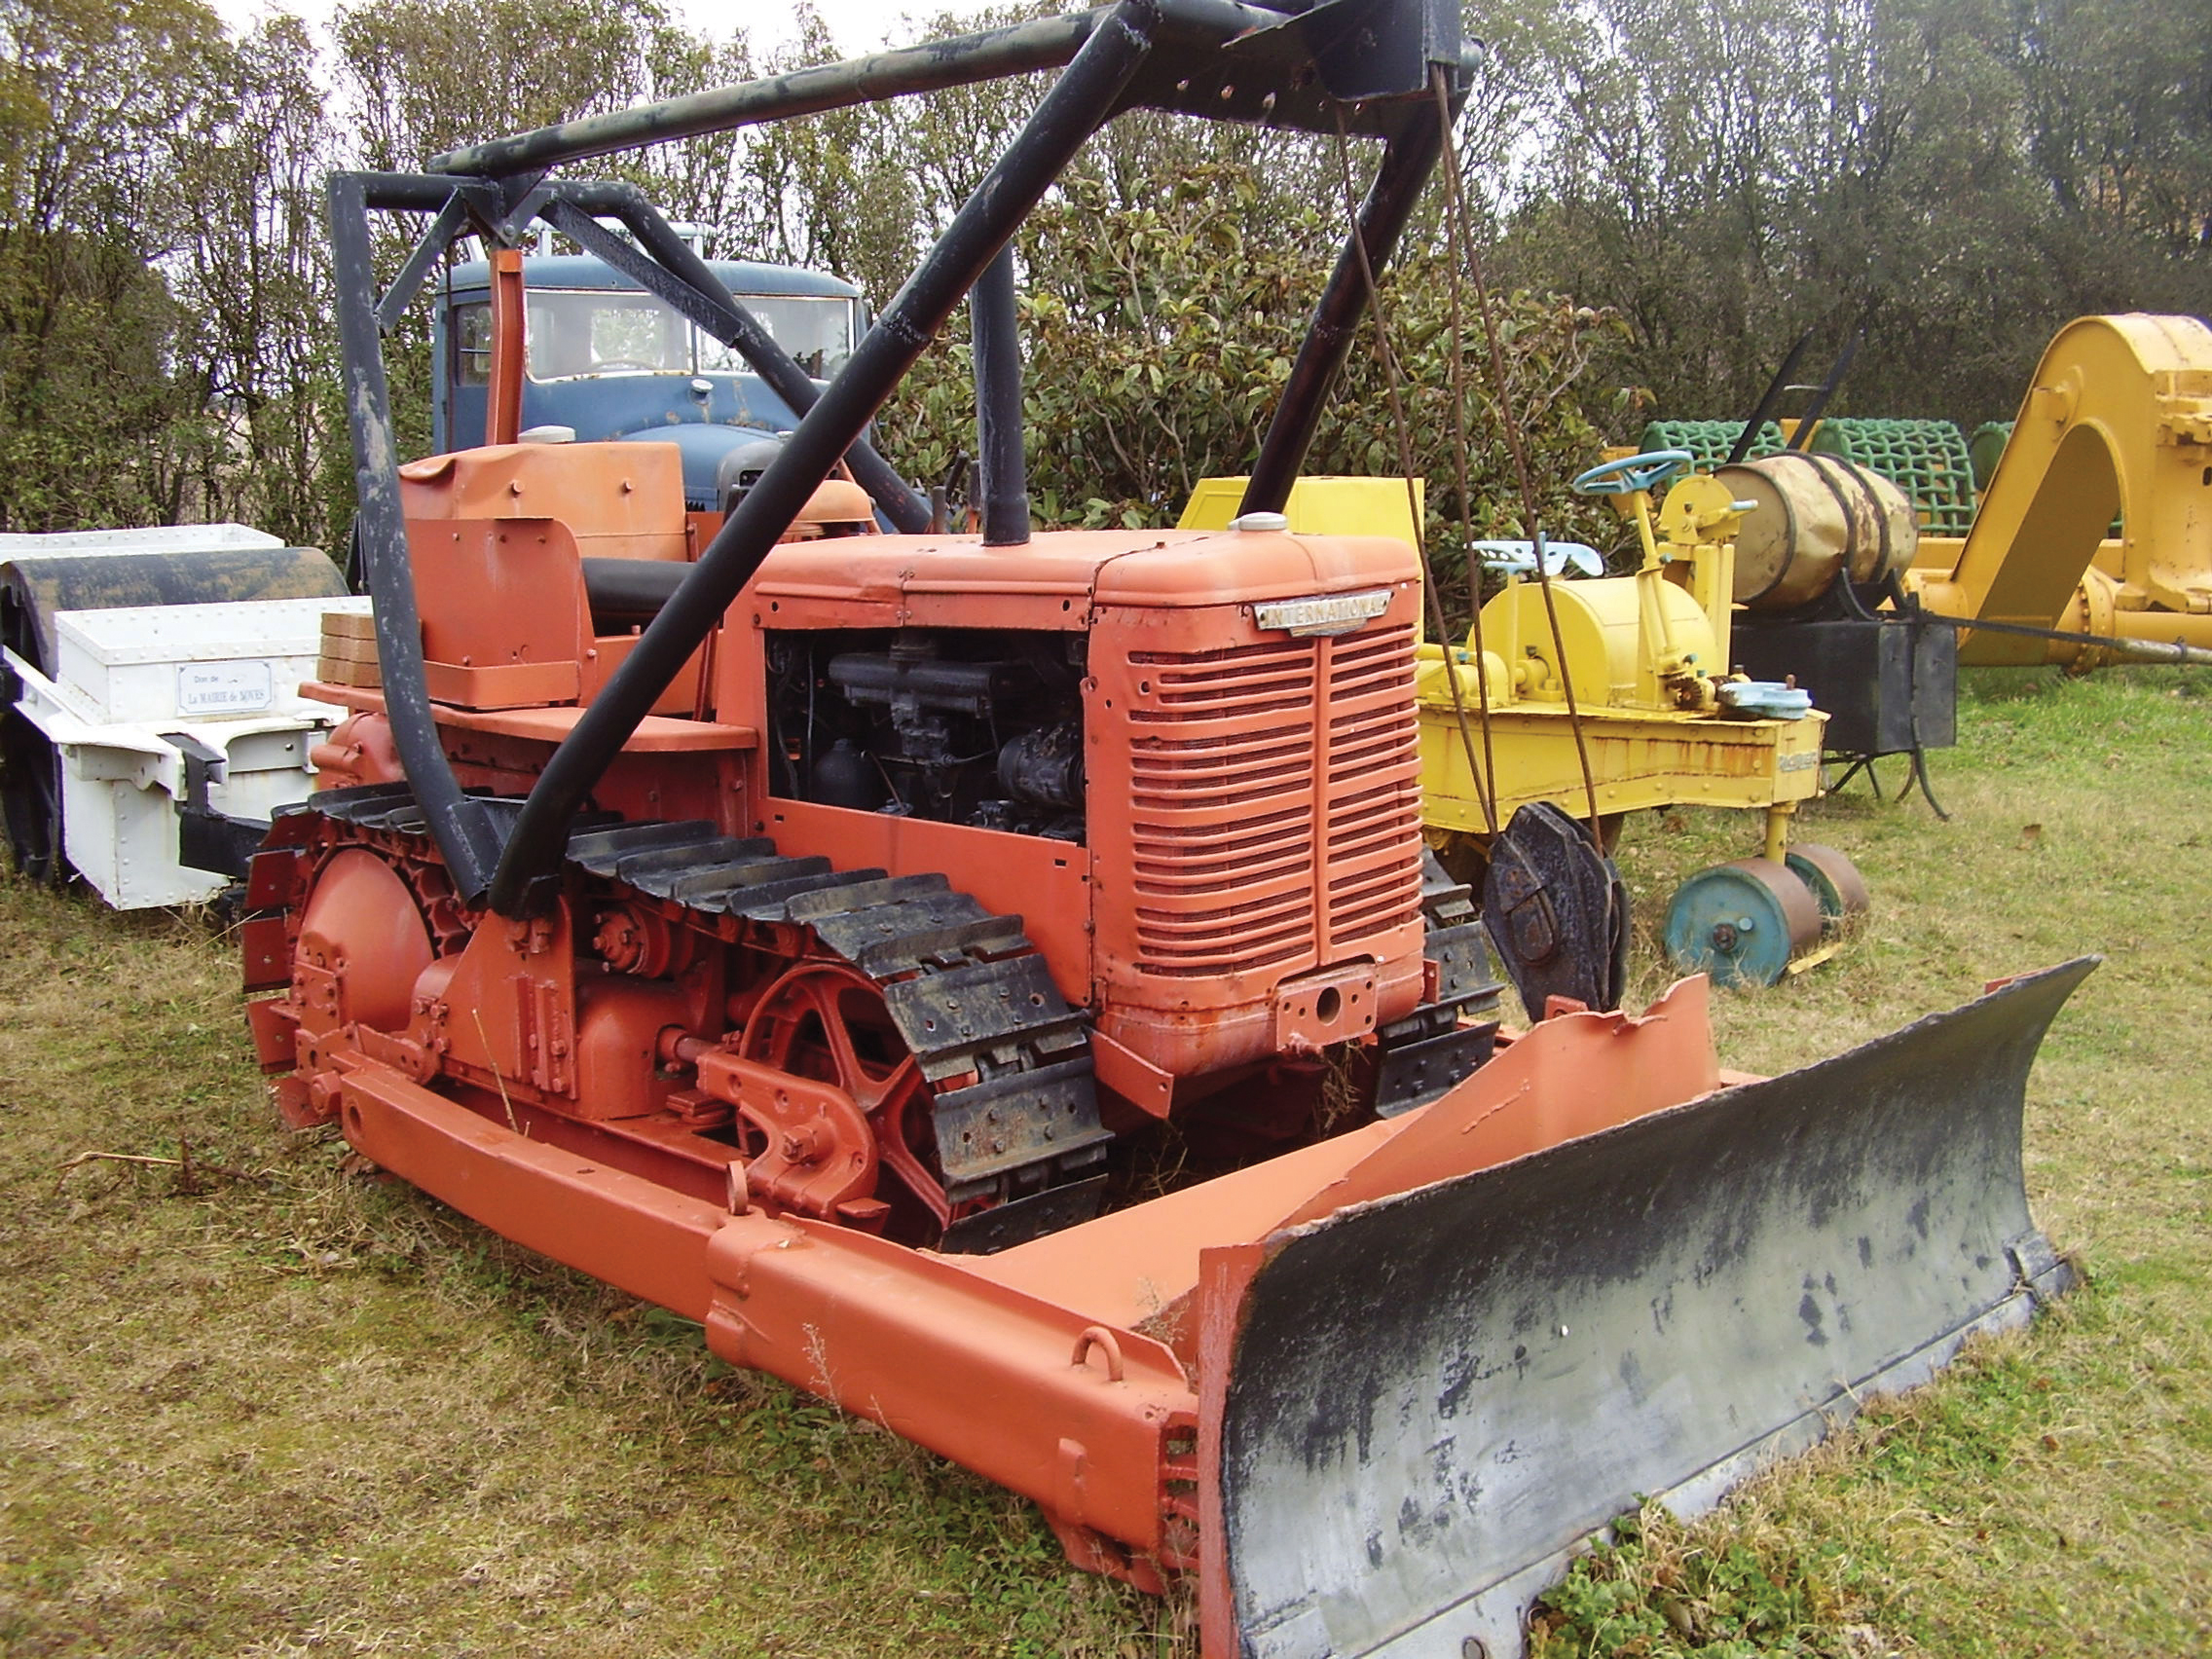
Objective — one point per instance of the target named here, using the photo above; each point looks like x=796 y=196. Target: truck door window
x=471 y=337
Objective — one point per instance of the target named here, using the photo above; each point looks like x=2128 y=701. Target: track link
x=966 y=988
x=1425 y=1055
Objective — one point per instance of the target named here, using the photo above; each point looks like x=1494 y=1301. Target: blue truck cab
x=611 y=361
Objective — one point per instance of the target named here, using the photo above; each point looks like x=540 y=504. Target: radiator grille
x=1373 y=787
x=1275 y=803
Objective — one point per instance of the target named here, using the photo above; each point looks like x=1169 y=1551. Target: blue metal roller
x=1742 y=922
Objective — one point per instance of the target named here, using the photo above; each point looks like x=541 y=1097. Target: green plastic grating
x=1987 y=447
x=1926 y=458
x=1710 y=441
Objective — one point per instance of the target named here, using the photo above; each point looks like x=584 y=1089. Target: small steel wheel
x=1834 y=881
x=1742 y=922
x=30 y=800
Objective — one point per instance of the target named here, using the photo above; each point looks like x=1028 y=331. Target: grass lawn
x=258 y=1405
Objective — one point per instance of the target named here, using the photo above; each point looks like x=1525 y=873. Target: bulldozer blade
x=1417 y=1407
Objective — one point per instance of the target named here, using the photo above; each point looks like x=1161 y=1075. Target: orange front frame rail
x=1027 y=1367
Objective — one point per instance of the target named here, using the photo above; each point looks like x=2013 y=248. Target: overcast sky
x=858 y=25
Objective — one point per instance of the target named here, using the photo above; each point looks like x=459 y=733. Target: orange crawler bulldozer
x=995 y=980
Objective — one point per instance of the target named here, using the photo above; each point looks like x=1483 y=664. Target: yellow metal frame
x=1318 y=506
x=1638 y=759
x=2118 y=419
x=1646 y=654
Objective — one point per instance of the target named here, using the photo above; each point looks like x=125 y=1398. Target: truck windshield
x=816 y=330
x=574 y=333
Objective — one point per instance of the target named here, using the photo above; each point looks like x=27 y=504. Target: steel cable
x=1390 y=380
x=1510 y=423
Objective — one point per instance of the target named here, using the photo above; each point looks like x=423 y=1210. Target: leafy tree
x=257 y=352
x=2117 y=118
x=834 y=191
x=1954 y=178
x=1160 y=335
x=427 y=78
x=91 y=428
x=1704 y=178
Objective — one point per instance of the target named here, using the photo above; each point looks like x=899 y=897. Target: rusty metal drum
x=1813 y=518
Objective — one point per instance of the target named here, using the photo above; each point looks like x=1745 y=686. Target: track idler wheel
x=1743 y=923
x=363 y=943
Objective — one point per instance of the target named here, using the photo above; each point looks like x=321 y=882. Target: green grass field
x=252 y=1403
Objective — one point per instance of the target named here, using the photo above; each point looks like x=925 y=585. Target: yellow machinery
x=1661 y=719
x=1319 y=506
x=2117 y=420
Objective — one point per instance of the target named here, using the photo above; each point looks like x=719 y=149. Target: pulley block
x=1557 y=911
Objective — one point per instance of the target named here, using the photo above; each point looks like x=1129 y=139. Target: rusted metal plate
x=1003 y=1226
x=894 y=938
x=857 y=895
x=602 y=851
x=1023 y=1119
x=740 y=882
x=948 y=1019
x=643 y=867
x=1433 y=1397
x=1421 y=1066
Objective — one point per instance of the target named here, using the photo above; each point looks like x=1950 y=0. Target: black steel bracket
x=207 y=839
